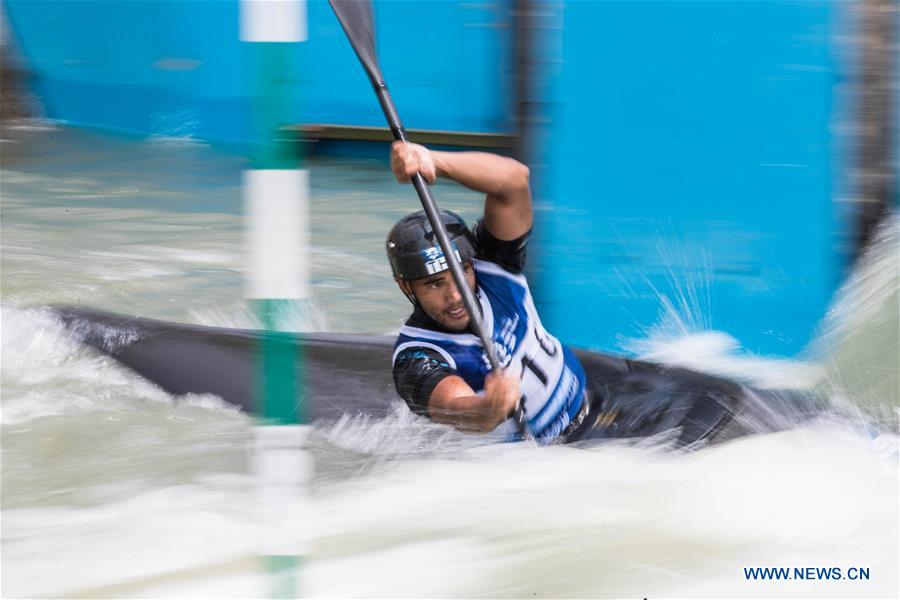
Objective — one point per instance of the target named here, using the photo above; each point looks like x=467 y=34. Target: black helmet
x=413 y=248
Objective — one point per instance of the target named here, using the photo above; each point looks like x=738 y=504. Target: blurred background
x=715 y=186
x=733 y=159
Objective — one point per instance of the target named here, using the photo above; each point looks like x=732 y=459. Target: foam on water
x=160 y=531
x=859 y=344
x=514 y=521
x=719 y=353
x=46 y=372
x=502 y=521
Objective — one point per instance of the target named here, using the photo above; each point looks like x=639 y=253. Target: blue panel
x=447 y=65
x=687 y=145
x=689 y=164
x=177 y=68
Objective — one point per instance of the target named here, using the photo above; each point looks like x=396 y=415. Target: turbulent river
x=113 y=488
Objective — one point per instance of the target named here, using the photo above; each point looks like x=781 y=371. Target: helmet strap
x=409 y=294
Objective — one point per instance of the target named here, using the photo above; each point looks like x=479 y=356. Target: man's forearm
x=504 y=181
x=472 y=414
x=498 y=176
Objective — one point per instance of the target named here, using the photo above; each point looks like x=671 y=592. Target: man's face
x=440 y=298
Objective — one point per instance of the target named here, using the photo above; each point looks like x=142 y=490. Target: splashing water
x=124 y=491
x=860 y=341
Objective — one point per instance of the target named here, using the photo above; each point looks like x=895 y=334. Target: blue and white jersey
x=552 y=379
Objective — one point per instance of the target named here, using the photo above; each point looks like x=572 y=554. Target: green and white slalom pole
x=276 y=192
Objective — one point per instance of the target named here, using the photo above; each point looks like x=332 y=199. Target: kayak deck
x=351 y=374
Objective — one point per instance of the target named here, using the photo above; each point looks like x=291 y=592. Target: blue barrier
x=684 y=157
x=687 y=178
x=178 y=69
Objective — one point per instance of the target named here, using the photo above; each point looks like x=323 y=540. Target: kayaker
x=439 y=365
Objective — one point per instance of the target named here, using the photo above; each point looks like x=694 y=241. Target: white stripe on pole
x=273 y=21
x=284 y=470
x=277 y=233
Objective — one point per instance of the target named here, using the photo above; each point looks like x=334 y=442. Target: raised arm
x=507 y=207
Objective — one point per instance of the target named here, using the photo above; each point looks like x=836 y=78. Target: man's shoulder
x=417 y=369
x=510 y=255
x=418 y=351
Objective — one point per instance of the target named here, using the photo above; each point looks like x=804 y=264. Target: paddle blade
x=356 y=19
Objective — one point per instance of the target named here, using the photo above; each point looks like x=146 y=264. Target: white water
x=112 y=488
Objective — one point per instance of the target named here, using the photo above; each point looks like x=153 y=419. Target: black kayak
x=351 y=375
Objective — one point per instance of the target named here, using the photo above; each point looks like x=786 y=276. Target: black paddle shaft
x=355 y=17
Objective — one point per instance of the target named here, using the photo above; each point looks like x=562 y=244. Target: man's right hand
x=501 y=388
x=454 y=403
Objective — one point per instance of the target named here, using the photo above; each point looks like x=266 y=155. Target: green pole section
x=280 y=374
x=272 y=150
